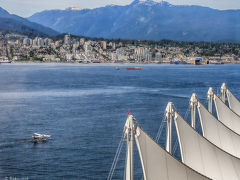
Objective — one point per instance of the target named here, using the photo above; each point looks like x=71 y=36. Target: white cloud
x=217 y=4
x=28 y=7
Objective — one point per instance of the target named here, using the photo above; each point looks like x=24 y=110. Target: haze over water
x=84 y=109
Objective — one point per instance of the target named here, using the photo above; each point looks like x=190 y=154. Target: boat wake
x=19 y=142
x=110 y=90
x=11 y=144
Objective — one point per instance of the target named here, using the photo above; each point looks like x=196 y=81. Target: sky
x=26 y=8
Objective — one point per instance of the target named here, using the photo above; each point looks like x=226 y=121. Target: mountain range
x=146 y=20
x=16 y=24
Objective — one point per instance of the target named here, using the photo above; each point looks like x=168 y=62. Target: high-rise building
x=113 y=45
x=27 y=41
x=104 y=45
x=40 y=42
x=87 y=46
x=121 y=54
x=35 y=42
x=75 y=47
x=142 y=54
x=47 y=41
x=67 y=39
x=82 y=41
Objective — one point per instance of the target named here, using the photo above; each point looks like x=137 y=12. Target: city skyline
x=29 y=7
x=86 y=50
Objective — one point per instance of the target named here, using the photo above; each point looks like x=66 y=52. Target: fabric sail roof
x=158 y=164
x=217 y=133
x=233 y=102
x=226 y=115
x=203 y=156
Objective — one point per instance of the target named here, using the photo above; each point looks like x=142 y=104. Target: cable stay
x=115 y=160
x=128 y=133
x=159 y=133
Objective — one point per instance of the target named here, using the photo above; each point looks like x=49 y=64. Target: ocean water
x=84 y=109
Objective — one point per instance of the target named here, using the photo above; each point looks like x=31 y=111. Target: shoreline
x=107 y=64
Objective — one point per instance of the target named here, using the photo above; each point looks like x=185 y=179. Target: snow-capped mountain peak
x=151 y=2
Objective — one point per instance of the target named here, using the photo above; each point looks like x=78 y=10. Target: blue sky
x=26 y=8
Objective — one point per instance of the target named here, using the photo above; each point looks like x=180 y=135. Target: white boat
x=211 y=155
x=5 y=61
x=40 y=137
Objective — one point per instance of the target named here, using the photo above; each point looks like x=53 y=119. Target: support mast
x=210 y=99
x=223 y=92
x=193 y=106
x=129 y=133
x=169 y=113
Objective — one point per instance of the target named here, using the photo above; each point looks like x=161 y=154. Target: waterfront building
x=69 y=57
x=121 y=54
x=158 y=57
x=114 y=56
x=49 y=58
x=142 y=54
x=15 y=58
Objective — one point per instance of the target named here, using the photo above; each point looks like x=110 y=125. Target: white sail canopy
x=203 y=156
x=233 y=102
x=226 y=115
x=217 y=133
x=158 y=164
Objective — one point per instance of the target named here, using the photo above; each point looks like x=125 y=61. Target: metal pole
x=131 y=150
x=169 y=135
x=223 y=92
x=193 y=105
x=169 y=116
x=210 y=99
x=193 y=116
x=129 y=133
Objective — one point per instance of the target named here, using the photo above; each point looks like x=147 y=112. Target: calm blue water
x=84 y=108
